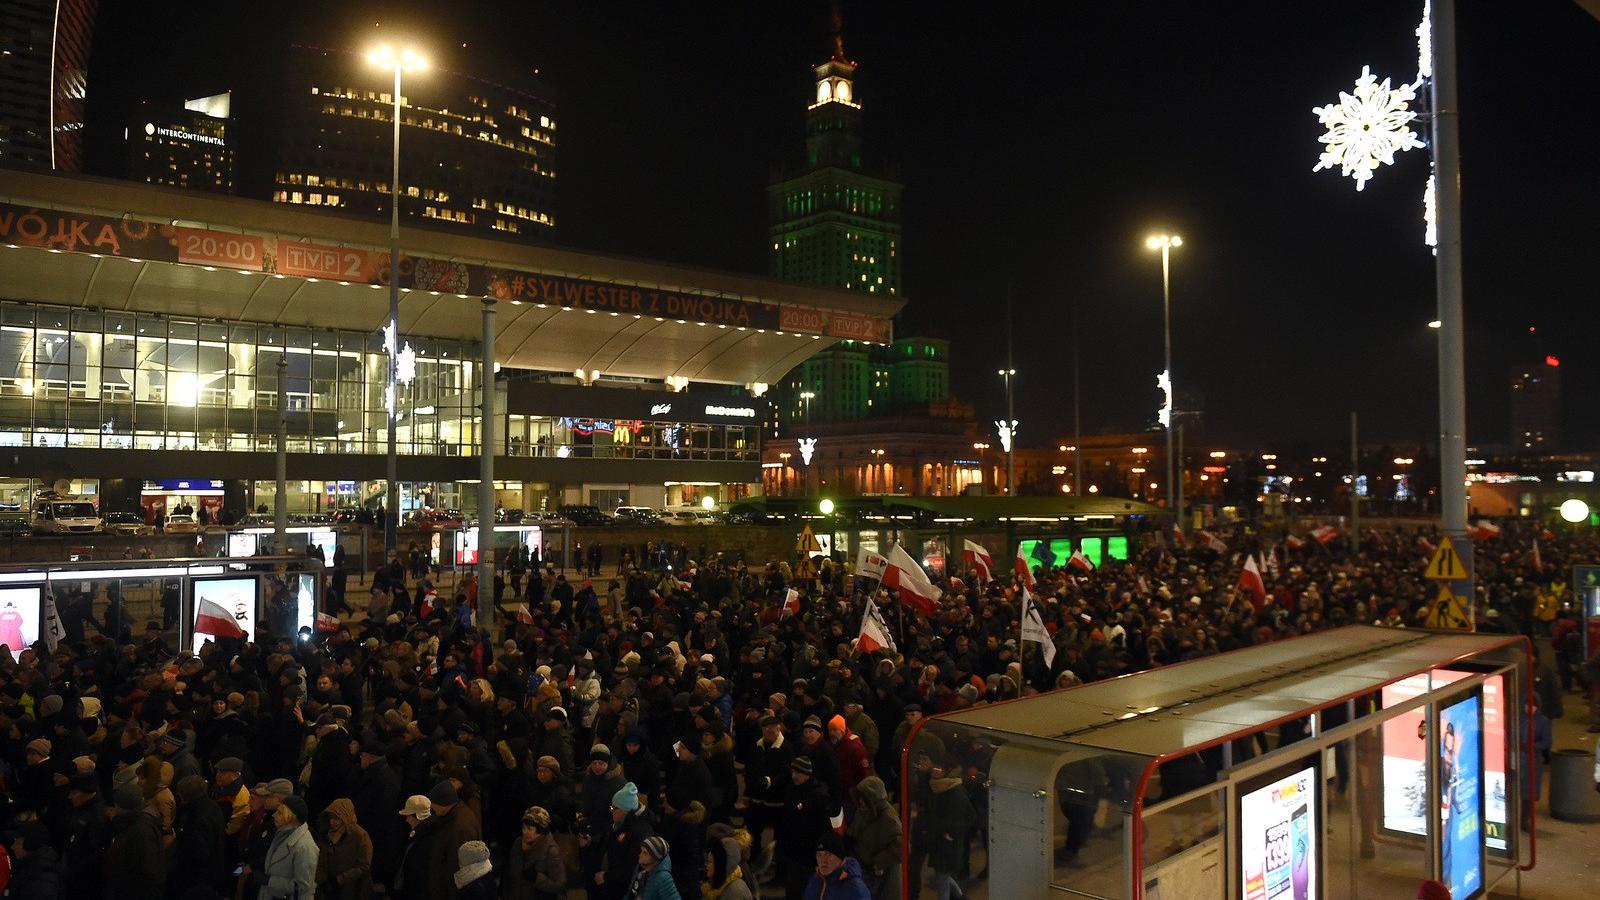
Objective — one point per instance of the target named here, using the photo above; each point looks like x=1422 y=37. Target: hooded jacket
x=344 y=867
x=727 y=876
x=656 y=884
x=876 y=832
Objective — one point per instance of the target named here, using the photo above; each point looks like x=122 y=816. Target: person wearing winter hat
x=724 y=874
x=198 y=855
x=474 y=877
x=452 y=824
x=806 y=816
x=290 y=868
x=653 y=879
x=630 y=825
x=837 y=875
x=824 y=761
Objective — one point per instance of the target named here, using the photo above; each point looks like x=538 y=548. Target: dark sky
x=1039 y=144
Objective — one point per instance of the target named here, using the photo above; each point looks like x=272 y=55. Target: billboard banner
x=1460 y=805
x=1404 y=804
x=1278 y=838
x=623 y=299
x=33 y=226
x=19 y=617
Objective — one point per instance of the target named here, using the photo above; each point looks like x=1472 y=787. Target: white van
x=54 y=514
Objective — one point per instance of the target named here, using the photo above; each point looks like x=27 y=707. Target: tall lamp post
x=1165 y=243
x=400 y=60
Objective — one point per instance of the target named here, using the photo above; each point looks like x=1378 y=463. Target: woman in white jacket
x=290 y=870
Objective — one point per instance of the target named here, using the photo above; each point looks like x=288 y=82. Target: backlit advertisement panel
x=19 y=618
x=219 y=602
x=1278 y=837
x=1460 y=749
x=1404 y=803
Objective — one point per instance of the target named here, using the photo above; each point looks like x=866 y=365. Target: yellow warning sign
x=806 y=570
x=1446 y=564
x=808 y=543
x=1448 y=611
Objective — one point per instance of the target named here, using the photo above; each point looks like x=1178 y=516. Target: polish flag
x=1326 y=534
x=1080 y=562
x=791 y=603
x=1538 y=561
x=1250 y=582
x=1427 y=545
x=1293 y=543
x=524 y=615
x=906 y=576
x=1024 y=567
x=1211 y=542
x=326 y=622
x=874 y=634
x=1483 y=531
x=979 y=560
x=212 y=619
x=1177 y=536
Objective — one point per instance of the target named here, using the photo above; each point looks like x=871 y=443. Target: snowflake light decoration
x=405 y=365
x=1367 y=128
x=1007 y=432
x=808 y=446
x=1425 y=42
x=1164 y=383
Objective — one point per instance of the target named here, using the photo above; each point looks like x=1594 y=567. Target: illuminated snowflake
x=1367 y=128
x=406 y=364
x=1430 y=215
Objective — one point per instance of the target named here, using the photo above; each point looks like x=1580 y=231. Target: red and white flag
x=212 y=619
x=906 y=576
x=1325 y=534
x=979 y=560
x=874 y=634
x=1538 y=561
x=1483 y=531
x=1293 y=543
x=791 y=603
x=1177 y=536
x=1024 y=567
x=1211 y=542
x=326 y=622
x=1080 y=562
x=1427 y=545
x=524 y=615
x=1250 y=582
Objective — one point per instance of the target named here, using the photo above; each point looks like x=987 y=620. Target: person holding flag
x=1251 y=584
x=978 y=559
x=1033 y=630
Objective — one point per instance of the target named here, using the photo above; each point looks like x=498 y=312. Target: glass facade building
x=90 y=379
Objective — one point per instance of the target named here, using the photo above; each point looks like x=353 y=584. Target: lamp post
x=1011 y=435
x=1165 y=243
x=403 y=60
x=981 y=447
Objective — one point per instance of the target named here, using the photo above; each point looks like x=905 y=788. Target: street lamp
x=386 y=56
x=1010 y=442
x=1165 y=243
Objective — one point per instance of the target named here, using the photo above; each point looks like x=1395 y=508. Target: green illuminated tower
x=836 y=224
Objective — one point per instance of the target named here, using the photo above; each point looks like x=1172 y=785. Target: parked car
x=181 y=524
x=509 y=516
x=55 y=514
x=638 y=515
x=546 y=518
x=681 y=517
x=437 y=518
x=13 y=524
x=127 y=523
x=585 y=514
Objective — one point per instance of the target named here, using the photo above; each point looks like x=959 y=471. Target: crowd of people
x=704 y=730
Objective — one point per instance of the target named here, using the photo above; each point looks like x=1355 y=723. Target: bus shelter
x=1354 y=762
x=76 y=600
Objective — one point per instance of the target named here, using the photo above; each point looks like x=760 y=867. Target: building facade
x=143 y=362
x=1536 y=407
x=44 y=69
x=476 y=156
x=185 y=147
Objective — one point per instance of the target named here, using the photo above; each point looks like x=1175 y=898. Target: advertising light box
x=1460 y=750
x=19 y=617
x=1404 y=775
x=1279 y=835
x=223 y=608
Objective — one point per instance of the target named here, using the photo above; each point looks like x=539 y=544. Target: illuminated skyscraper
x=44 y=67
x=1536 y=406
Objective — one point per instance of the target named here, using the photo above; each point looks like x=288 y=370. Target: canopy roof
x=973 y=510
x=609 y=314
x=1207 y=700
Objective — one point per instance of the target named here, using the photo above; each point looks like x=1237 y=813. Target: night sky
x=1039 y=144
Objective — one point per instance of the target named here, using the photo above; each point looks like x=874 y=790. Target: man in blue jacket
x=838 y=877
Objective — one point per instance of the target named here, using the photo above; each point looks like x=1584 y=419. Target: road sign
x=1448 y=610
x=807 y=544
x=1446 y=564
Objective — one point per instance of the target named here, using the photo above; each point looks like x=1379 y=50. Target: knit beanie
x=626 y=799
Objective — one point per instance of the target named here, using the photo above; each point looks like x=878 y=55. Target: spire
x=837 y=23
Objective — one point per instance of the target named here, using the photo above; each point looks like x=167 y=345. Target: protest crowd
x=714 y=729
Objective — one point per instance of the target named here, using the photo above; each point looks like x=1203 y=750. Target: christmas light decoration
x=1366 y=128
x=1164 y=415
x=1430 y=216
x=808 y=446
x=406 y=364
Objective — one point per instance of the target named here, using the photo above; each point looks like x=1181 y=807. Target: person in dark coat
x=133 y=858
x=198 y=828
x=629 y=825
x=455 y=824
x=36 y=869
x=533 y=867
x=640 y=766
x=376 y=797
x=807 y=809
x=333 y=763
x=691 y=776
x=951 y=816
x=766 y=782
x=683 y=824
x=82 y=837
x=824 y=762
